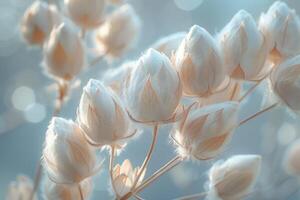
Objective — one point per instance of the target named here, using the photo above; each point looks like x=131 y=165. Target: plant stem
x=258 y=113
x=145 y=163
x=96 y=60
x=80 y=192
x=253 y=87
x=193 y=196
x=167 y=167
x=111 y=165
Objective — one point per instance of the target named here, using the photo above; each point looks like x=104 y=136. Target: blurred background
x=26 y=104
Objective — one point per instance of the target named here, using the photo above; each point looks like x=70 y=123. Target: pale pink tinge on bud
x=22 y=188
x=56 y=191
x=285 y=80
x=234 y=178
x=119 y=32
x=64 y=53
x=169 y=44
x=115 y=77
x=38 y=21
x=102 y=116
x=291 y=162
x=87 y=14
x=281 y=27
x=244 y=48
x=153 y=89
x=231 y=92
x=124 y=177
x=199 y=63
x=67 y=157
x=204 y=132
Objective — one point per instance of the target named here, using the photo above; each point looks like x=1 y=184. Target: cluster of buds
x=22 y=188
x=152 y=91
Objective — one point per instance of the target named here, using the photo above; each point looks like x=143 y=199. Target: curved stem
x=193 y=196
x=253 y=87
x=111 y=165
x=80 y=191
x=258 y=113
x=145 y=163
x=96 y=60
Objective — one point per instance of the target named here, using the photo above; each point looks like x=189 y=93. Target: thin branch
x=167 y=167
x=111 y=165
x=80 y=191
x=258 y=113
x=37 y=179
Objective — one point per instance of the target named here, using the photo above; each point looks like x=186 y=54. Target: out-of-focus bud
x=230 y=93
x=153 y=89
x=38 y=21
x=281 y=27
x=22 y=188
x=87 y=14
x=204 y=132
x=244 y=48
x=234 y=178
x=285 y=81
x=102 y=116
x=56 y=191
x=64 y=53
x=169 y=44
x=291 y=162
x=199 y=63
x=119 y=32
x=116 y=77
x=67 y=157
x=124 y=177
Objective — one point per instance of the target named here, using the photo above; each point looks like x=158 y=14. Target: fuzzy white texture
x=87 y=14
x=169 y=44
x=20 y=189
x=115 y=77
x=119 y=32
x=285 y=80
x=67 y=157
x=124 y=176
x=153 y=90
x=38 y=21
x=199 y=62
x=291 y=162
x=204 y=132
x=244 y=47
x=234 y=178
x=102 y=115
x=64 y=54
x=281 y=27
x=55 y=191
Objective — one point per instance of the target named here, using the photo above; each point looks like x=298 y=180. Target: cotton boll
x=38 y=21
x=153 y=90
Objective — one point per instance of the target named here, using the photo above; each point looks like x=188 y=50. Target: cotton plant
x=189 y=80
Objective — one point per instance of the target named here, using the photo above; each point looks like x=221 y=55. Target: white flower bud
x=205 y=131
x=56 y=191
x=285 y=81
x=230 y=93
x=38 y=21
x=153 y=90
x=199 y=63
x=124 y=177
x=291 y=160
x=88 y=13
x=244 y=47
x=67 y=156
x=119 y=32
x=234 y=178
x=64 y=53
x=281 y=27
x=169 y=44
x=115 y=77
x=102 y=116
x=22 y=188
